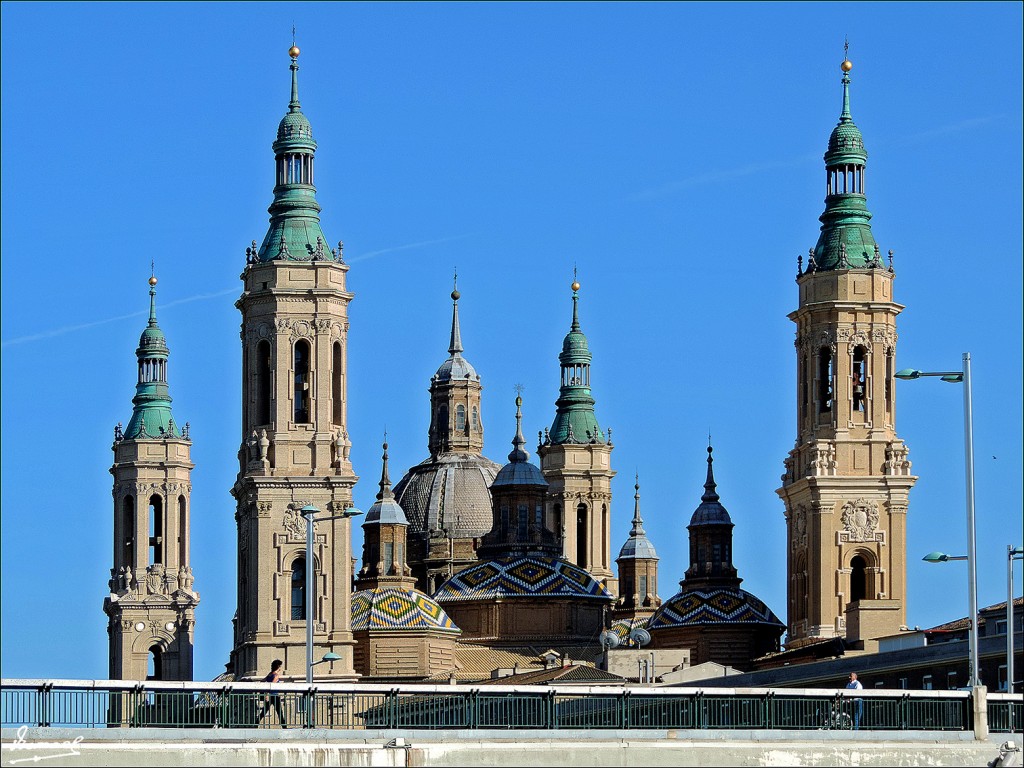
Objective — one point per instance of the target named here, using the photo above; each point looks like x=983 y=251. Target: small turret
x=575 y=420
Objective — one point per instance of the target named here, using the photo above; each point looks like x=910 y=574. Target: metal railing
x=1005 y=713
x=124 y=704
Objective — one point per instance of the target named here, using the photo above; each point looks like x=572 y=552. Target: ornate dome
x=637 y=546
x=386 y=608
x=714 y=605
x=527 y=575
x=846 y=138
x=450 y=491
x=456 y=367
x=294 y=125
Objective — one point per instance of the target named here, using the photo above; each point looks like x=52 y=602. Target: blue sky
x=671 y=152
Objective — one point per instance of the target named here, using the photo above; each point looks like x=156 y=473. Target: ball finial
x=575 y=286
x=152 y=280
x=847 y=65
x=456 y=295
x=294 y=51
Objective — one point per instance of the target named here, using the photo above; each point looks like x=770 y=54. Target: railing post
x=699 y=719
x=44 y=704
x=393 y=708
x=552 y=714
x=769 y=714
x=624 y=719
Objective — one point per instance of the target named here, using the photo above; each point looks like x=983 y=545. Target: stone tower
x=295 y=447
x=638 y=571
x=848 y=478
x=710 y=615
x=446 y=496
x=576 y=461
x=400 y=633
x=151 y=606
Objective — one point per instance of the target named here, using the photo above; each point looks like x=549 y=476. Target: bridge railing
x=116 y=703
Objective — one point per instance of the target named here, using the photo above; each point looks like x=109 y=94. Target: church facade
x=469 y=566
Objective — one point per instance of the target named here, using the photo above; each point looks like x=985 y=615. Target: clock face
x=169 y=626
x=139 y=626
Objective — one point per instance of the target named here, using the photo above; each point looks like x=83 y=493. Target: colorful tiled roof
x=524 y=575
x=715 y=605
x=396 y=608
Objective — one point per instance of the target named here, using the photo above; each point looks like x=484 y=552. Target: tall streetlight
x=310 y=513
x=964 y=377
x=1012 y=553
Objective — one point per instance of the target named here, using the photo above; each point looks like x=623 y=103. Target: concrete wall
x=201 y=748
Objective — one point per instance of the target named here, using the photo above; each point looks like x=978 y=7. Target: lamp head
x=307 y=510
x=908 y=373
x=331 y=657
x=352 y=512
x=935 y=557
x=953 y=378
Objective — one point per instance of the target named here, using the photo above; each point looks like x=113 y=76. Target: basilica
x=473 y=569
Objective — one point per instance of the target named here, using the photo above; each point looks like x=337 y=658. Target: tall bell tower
x=575 y=457
x=848 y=478
x=151 y=606
x=295 y=447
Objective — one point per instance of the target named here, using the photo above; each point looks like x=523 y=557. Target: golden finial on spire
x=152 y=272
x=847 y=65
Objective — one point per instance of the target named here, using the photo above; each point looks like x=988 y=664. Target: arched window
x=156 y=529
x=128 y=531
x=522 y=521
x=800 y=590
x=556 y=520
x=859 y=379
x=581 y=536
x=604 y=531
x=476 y=418
x=825 y=380
x=155 y=664
x=182 y=531
x=858 y=579
x=263 y=382
x=803 y=387
x=460 y=418
x=301 y=371
x=299 y=589
x=336 y=367
x=889 y=373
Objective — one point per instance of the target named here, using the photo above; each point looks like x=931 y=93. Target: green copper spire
x=294 y=233
x=846 y=241
x=151 y=417
x=575 y=420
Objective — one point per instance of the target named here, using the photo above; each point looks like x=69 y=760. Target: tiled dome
x=714 y=605
x=527 y=575
x=386 y=608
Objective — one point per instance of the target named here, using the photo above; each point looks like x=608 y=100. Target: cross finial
x=293 y=35
x=846 y=46
x=455 y=279
x=519 y=389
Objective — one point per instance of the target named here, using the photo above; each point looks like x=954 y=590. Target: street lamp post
x=309 y=512
x=1012 y=553
x=964 y=377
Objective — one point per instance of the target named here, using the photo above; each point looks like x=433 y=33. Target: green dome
x=294 y=125
x=153 y=339
x=845 y=145
x=575 y=348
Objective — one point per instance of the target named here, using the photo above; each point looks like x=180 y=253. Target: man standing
x=858 y=704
